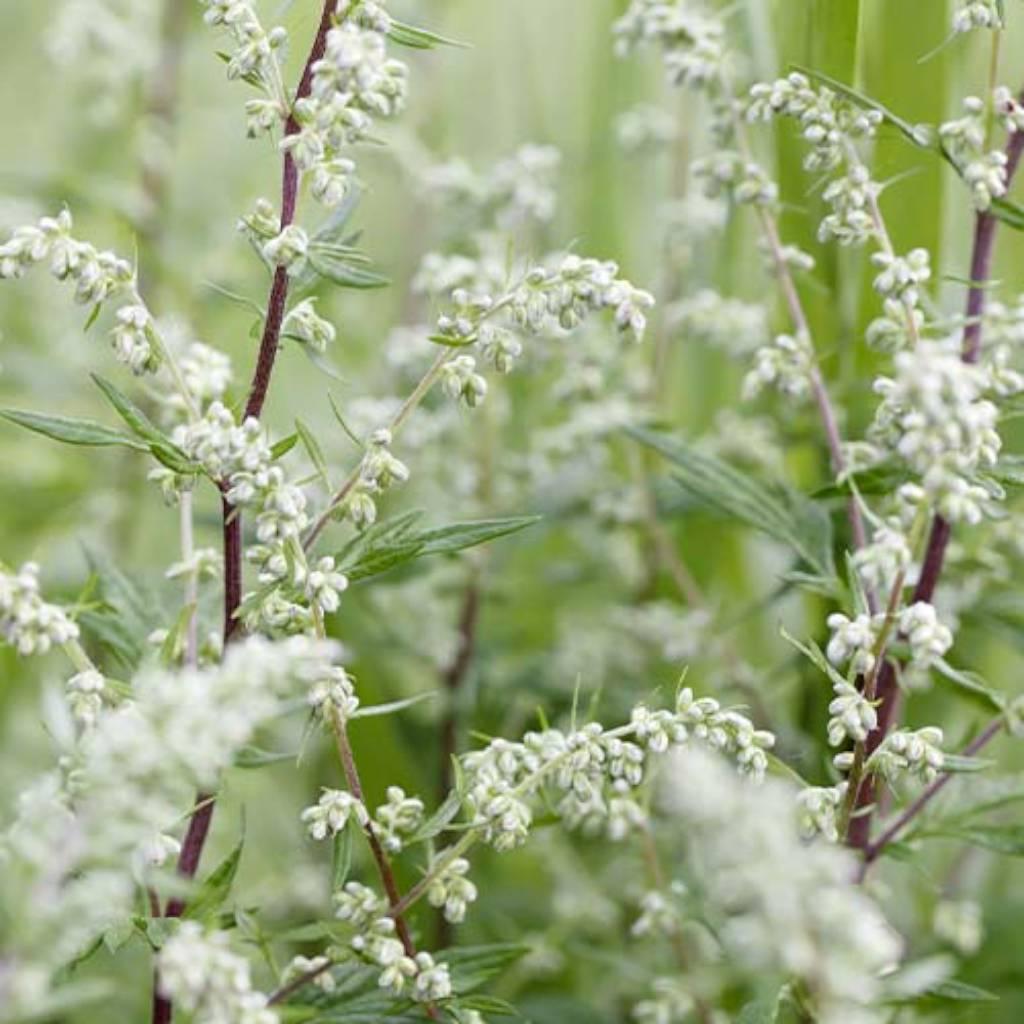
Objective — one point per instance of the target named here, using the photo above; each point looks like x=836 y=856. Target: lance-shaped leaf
x=72 y=431
x=788 y=517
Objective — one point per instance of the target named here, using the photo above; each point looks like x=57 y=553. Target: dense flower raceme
x=691 y=40
x=83 y=837
x=776 y=902
x=96 y=275
x=200 y=973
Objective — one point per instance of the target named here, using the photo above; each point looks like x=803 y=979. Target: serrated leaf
x=791 y=518
x=216 y=887
x=72 y=431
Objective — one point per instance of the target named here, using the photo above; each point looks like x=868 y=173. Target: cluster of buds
x=97 y=276
x=964 y=140
x=378 y=471
x=332 y=813
x=27 y=622
x=827 y=121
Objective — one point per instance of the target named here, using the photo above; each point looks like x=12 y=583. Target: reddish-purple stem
x=986 y=222
x=199 y=824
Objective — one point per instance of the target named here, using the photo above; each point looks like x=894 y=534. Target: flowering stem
x=855 y=779
x=199 y=824
x=938 y=539
x=384 y=869
x=826 y=411
x=874 y=849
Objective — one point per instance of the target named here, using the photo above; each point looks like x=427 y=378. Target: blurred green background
x=534 y=71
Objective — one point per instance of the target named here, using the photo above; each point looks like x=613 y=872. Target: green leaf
x=374 y=710
x=255 y=757
x=972 y=685
x=1004 y=839
x=439 y=820
x=961 y=992
x=400 y=544
x=344 y=267
x=215 y=887
x=158 y=443
x=814 y=654
x=315 y=452
x=761 y=1011
x=283 y=447
x=788 y=517
x=418 y=38
x=71 y=431
x=473 y=966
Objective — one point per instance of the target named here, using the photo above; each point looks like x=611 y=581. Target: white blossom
x=332 y=813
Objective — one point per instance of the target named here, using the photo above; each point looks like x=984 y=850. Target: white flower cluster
x=670 y=1002
x=853 y=641
x=375 y=941
x=645 y=128
x=182 y=729
x=399 y=817
x=827 y=120
x=110 y=45
x=84 y=691
x=334 y=695
x=728 y=172
x=304 y=323
x=594 y=771
x=778 y=903
x=519 y=190
x=879 y=562
x=353 y=83
x=964 y=141
x=333 y=812
x=735 y=326
x=787 y=364
x=378 y=470
x=71 y=867
x=691 y=39
x=255 y=56
x=200 y=973
x=451 y=890
x=853 y=716
x=849 y=198
x=909 y=752
x=934 y=415
x=27 y=622
x=817 y=808
x=97 y=276
x=929 y=639
x=972 y=14
x=659 y=913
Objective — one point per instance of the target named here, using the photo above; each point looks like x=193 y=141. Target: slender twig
x=875 y=848
x=985 y=226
